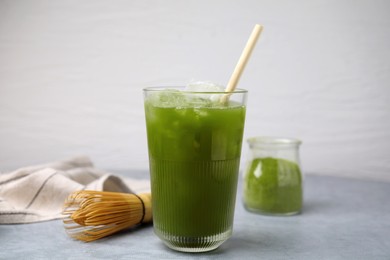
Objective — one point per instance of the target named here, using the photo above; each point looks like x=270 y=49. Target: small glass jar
x=273 y=179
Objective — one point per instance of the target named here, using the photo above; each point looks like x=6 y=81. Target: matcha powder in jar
x=273 y=179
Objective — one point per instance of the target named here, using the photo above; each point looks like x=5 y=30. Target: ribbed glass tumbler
x=194 y=141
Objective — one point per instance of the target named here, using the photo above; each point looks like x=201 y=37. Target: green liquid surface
x=273 y=186
x=194 y=156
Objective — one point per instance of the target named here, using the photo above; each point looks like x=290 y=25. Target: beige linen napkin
x=37 y=193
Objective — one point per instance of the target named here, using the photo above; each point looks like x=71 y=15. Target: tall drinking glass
x=194 y=141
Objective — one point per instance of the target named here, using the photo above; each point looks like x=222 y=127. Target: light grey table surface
x=342 y=219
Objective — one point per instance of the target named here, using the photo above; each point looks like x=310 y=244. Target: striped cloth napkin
x=37 y=193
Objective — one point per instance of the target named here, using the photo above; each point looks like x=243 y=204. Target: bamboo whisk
x=91 y=215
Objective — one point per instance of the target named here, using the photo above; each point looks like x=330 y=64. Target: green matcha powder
x=273 y=186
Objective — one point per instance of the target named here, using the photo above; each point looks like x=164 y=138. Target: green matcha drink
x=194 y=145
x=273 y=179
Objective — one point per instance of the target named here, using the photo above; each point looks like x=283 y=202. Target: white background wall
x=72 y=73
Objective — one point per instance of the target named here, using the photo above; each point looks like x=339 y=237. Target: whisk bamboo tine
x=95 y=233
x=91 y=215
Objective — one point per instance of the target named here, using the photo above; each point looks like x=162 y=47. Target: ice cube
x=168 y=98
x=205 y=86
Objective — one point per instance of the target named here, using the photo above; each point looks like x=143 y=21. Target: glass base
x=271 y=213
x=193 y=244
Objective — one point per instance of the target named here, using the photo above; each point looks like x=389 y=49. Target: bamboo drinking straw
x=250 y=45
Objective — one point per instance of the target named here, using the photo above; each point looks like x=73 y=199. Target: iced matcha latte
x=194 y=143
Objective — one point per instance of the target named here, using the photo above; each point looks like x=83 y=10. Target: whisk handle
x=146 y=199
